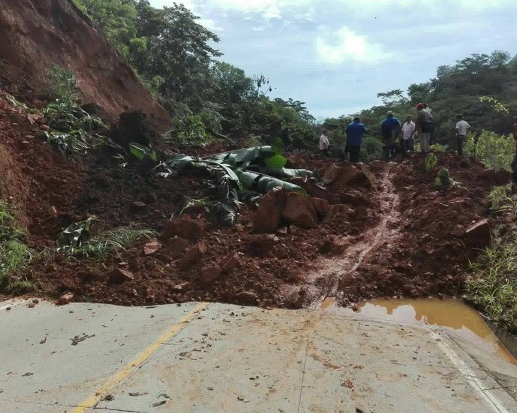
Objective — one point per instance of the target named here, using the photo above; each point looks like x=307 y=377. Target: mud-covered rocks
x=185 y=227
x=210 y=273
x=321 y=206
x=119 y=276
x=267 y=217
x=192 y=255
x=230 y=262
x=299 y=211
x=176 y=246
x=339 y=176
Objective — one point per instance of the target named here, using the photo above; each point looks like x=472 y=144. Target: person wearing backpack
x=423 y=126
x=390 y=130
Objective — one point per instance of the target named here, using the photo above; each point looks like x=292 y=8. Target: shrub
x=62 y=83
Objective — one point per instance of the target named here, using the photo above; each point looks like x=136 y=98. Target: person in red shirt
x=514 y=162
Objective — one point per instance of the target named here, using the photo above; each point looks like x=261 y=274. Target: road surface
x=204 y=358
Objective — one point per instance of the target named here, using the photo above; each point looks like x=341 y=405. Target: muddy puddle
x=453 y=315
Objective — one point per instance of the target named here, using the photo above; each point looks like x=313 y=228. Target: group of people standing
x=397 y=137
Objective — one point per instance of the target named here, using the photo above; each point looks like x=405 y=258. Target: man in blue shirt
x=390 y=130
x=354 y=138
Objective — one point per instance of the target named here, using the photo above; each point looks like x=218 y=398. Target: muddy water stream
x=453 y=315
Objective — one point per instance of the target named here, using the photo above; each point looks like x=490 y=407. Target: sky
x=336 y=55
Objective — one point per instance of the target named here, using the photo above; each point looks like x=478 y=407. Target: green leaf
x=275 y=161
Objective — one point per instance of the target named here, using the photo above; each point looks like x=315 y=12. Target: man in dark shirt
x=390 y=130
x=354 y=138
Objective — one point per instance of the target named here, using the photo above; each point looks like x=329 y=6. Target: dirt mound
x=378 y=230
x=38 y=33
x=35 y=178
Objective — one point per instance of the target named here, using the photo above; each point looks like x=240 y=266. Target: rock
x=339 y=211
x=458 y=231
x=152 y=247
x=267 y=217
x=231 y=261
x=119 y=276
x=45 y=127
x=65 y=298
x=192 y=255
x=185 y=227
x=321 y=206
x=479 y=232
x=30 y=304
x=210 y=273
x=138 y=206
x=331 y=173
x=355 y=175
x=176 y=246
x=299 y=211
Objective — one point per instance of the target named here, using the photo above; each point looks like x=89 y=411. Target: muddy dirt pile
x=362 y=231
x=39 y=33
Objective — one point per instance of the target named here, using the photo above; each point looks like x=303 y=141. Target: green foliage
x=371 y=149
x=74 y=235
x=62 y=83
x=191 y=131
x=14 y=254
x=502 y=201
x=495 y=151
x=430 y=162
x=116 y=18
x=113 y=241
x=438 y=147
x=443 y=178
x=493 y=283
x=142 y=153
x=74 y=241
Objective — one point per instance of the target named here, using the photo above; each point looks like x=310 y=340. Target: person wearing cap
x=461 y=133
x=390 y=130
x=354 y=138
x=513 y=165
x=423 y=126
x=324 y=143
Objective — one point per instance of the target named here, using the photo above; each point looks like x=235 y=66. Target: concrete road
x=206 y=358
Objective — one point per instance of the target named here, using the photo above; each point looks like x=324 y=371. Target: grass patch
x=492 y=287
x=103 y=245
x=14 y=254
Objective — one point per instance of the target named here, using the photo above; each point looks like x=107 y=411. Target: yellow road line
x=138 y=361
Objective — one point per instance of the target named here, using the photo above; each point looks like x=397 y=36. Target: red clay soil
x=36 y=34
x=389 y=231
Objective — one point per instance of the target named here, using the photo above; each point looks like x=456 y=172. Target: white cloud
x=345 y=45
x=210 y=24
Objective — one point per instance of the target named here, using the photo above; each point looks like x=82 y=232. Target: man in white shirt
x=406 y=140
x=324 y=143
x=461 y=133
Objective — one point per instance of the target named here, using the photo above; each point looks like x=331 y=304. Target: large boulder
x=354 y=175
x=268 y=215
x=332 y=172
x=312 y=187
x=299 y=211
